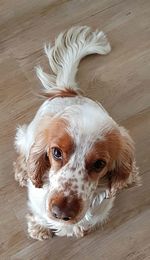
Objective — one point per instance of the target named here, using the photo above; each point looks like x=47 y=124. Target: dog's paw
x=80 y=231
x=39 y=232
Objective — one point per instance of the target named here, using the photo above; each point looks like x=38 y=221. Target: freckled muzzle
x=66 y=208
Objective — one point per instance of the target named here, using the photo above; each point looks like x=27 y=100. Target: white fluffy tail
x=64 y=57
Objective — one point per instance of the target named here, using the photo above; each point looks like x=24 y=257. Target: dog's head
x=80 y=150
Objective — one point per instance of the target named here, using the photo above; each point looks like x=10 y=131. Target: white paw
x=37 y=231
x=40 y=233
x=80 y=231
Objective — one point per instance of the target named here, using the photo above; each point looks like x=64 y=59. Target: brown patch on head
x=58 y=137
x=117 y=150
x=52 y=133
x=105 y=151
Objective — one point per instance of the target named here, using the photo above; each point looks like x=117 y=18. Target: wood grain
x=120 y=81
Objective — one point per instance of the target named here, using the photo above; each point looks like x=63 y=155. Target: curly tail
x=64 y=57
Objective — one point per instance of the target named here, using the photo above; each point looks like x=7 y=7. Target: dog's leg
x=36 y=230
x=81 y=230
x=20 y=170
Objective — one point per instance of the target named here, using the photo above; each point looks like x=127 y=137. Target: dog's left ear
x=38 y=162
x=124 y=172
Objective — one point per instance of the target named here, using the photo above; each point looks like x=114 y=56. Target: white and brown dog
x=73 y=156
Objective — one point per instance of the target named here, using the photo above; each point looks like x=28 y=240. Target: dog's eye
x=98 y=165
x=57 y=153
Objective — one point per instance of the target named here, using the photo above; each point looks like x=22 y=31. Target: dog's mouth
x=67 y=220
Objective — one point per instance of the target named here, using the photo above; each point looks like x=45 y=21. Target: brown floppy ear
x=124 y=172
x=38 y=161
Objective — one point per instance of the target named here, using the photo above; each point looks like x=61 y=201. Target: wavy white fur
x=64 y=57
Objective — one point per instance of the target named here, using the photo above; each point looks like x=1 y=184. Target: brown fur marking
x=66 y=92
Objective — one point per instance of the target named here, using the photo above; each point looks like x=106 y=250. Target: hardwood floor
x=120 y=81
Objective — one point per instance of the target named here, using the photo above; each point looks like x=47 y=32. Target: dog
x=73 y=157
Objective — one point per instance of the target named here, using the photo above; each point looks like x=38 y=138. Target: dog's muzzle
x=66 y=208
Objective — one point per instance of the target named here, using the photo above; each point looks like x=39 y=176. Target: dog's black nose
x=58 y=213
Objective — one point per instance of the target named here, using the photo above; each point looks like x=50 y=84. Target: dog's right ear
x=124 y=173
x=38 y=161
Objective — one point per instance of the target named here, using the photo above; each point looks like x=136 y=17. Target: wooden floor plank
x=120 y=81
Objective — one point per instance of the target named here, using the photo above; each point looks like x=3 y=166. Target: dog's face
x=78 y=151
